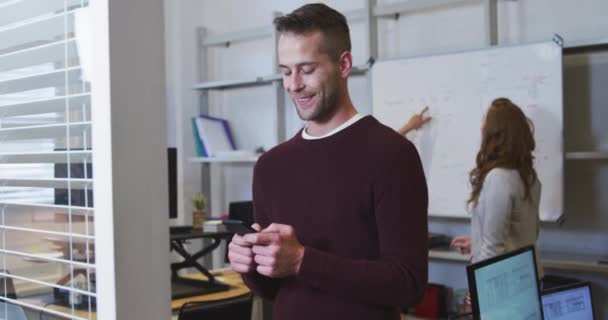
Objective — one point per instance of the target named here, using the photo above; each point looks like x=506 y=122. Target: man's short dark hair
x=318 y=17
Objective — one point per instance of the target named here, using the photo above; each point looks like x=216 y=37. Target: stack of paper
x=213 y=226
x=212 y=136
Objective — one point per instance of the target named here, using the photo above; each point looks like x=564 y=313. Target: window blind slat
x=16 y=11
x=46 y=157
x=44 y=131
x=73 y=210
x=47 y=105
x=48 y=183
x=48 y=284
x=34 y=33
x=51 y=52
x=54 y=233
x=50 y=79
x=48 y=258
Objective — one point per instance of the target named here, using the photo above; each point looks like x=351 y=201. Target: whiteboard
x=458 y=89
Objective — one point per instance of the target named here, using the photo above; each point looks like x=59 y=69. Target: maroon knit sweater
x=358 y=203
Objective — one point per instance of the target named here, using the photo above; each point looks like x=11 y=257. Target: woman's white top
x=503 y=219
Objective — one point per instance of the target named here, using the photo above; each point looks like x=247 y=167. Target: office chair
x=233 y=309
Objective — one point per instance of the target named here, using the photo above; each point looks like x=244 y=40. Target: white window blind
x=47 y=239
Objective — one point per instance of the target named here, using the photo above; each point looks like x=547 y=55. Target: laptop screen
x=505 y=287
x=572 y=302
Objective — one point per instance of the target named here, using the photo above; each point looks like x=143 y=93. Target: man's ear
x=345 y=63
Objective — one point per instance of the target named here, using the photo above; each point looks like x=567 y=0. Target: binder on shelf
x=200 y=151
x=214 y=135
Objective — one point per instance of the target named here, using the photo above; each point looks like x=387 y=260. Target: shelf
x=249 y=159
x=591 y=155
x=232 y=84
x=226 y=39
x=409 y=6
x=448 y=255
x=548 y=261
x=259 y=81
x=575 y=266
x=264 y=32
x=585 y=263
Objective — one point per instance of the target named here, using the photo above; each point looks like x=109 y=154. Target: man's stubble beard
x=328 y=104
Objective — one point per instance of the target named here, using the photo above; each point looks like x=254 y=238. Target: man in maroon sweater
x=341 y=208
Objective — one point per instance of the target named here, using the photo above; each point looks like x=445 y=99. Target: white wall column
x=129 y=135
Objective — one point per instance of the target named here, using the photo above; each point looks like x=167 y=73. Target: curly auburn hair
x=507 y=141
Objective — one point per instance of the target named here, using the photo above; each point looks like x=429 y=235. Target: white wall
x=129 y=150
x=449 y=28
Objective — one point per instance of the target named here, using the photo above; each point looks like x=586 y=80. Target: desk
x=573 y=262
x=236 y=289
x=231 y=278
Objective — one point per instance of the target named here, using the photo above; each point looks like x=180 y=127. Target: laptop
x=506 y=287
x=572 y=301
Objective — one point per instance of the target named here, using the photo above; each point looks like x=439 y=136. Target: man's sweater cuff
x=313 y=268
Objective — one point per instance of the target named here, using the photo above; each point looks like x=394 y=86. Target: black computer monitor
x=172 y=173
x=506 y=287
x=241 y=210
x=572 y=301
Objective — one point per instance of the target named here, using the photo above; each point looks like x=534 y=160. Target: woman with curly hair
x=505 y=191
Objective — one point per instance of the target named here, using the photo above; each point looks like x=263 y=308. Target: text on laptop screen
x=572 y=304
x=508 y=289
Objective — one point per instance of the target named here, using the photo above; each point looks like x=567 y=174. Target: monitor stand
x=184 y=287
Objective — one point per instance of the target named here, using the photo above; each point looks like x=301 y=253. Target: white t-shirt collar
x=341 y=127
